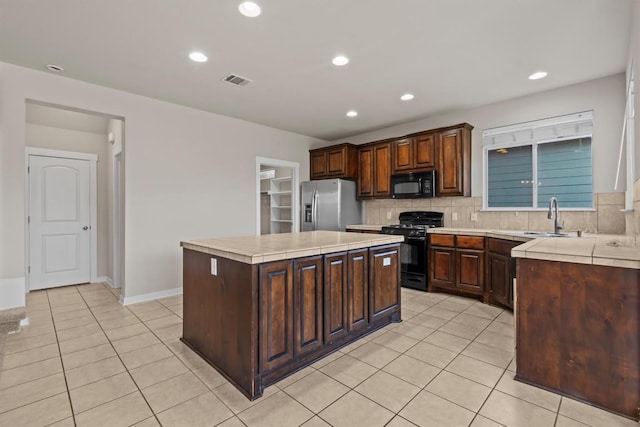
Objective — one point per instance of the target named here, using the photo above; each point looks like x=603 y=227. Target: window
x=528 y=163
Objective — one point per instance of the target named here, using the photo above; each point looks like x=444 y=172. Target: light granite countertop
x=600 y=249
x=276 y=247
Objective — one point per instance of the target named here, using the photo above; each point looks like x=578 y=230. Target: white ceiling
x=452 y=54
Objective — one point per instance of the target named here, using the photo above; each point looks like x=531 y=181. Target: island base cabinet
x=577 y=332
x=220 y=316
x=384 y=271
x=257 y=324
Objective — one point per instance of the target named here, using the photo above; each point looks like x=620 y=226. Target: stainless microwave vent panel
x=237 y=80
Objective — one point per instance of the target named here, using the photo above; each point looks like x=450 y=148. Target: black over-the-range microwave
x=413 y=185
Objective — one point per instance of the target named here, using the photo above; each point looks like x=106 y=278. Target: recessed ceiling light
x=54 y=68
x=538 y=75
x=250 y=9
x=340 y=60
x=352 y=113
x=407 y=97
x=198 y=57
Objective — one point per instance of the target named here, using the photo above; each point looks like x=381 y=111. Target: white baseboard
x=109 y=282
x=101 y=279
x=12 y=293
x=150 y=296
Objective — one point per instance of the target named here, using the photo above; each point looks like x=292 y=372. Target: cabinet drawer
x=470 y=242
x=502 y=246
x=441 y=239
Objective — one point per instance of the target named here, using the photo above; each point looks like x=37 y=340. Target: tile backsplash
x=466 y=212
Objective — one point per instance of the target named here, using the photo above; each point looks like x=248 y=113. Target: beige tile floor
x=87 y=361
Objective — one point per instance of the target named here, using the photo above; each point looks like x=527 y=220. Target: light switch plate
x=474 y=216
x=454 y=216
x=214 y=267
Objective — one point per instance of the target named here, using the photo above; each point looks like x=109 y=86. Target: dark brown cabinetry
x=358 y=290
x=447 y=150
x=413 y=154
x=500 y=271
x=457 y=263
x=258 y=323
x=335 y=296
x=338 y=161
x=577 y=332
x=276 y=323
x=374 y=177
x=383 y=269
x=453 y=162
x=308 y=303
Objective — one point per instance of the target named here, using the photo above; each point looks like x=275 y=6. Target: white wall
x=604 y=96
x=82 y=142
x=634 y=57
x=188 y=174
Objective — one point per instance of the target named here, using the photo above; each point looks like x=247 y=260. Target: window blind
x=570 y=126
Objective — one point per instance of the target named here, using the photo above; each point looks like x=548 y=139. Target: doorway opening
x=57 y=133
x=277 y=196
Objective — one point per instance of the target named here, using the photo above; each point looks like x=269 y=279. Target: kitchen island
x=262 y=307
x=577 y=319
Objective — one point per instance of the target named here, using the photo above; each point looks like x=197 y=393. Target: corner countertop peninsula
x=259 y=308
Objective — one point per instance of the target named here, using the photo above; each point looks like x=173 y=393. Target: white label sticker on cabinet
x=386 y=261
x=214 y=267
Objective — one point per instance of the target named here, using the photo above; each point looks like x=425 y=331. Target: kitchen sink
x=545 y=234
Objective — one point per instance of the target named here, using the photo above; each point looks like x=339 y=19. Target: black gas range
x=413 y=252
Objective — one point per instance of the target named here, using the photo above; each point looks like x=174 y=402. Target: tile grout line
x=64 y=372
x=120 y=359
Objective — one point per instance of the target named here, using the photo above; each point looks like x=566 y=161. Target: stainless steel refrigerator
x=329 y=204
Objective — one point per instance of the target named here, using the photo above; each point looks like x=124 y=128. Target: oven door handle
x=414 y=239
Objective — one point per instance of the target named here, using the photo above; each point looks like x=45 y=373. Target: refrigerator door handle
x=314 y=209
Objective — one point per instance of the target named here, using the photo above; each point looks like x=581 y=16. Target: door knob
x=85 y=227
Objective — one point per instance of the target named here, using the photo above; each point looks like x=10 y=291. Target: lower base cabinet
x=457 y=263
x=500 y=271
x=285 y=315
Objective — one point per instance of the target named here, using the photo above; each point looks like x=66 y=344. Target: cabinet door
x=276 y=314
x=384 y=282
x=382 y=175
x=470 y=270
x=402 y=155
x=442 y=271
x=365 y=172
x=308 y=304
x=358 y=290
x=424 y=152
x=450 y=163
x=500 y=278
x=337 y=161
x=319 y=164
x=335 y=296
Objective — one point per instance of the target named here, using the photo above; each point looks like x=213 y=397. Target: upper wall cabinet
x=337 y=161
x=374 y=178
x=453 y=161
x=414 y=154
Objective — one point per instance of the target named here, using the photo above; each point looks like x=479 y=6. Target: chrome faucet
x=553 y=213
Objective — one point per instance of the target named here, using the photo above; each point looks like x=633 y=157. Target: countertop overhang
x=277 y=247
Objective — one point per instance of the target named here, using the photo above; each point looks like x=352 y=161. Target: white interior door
x=59 y=223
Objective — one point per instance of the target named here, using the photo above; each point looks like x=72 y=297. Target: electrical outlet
x=214 y=267
x=454 y=216
x=388 y=214
x=474 y=216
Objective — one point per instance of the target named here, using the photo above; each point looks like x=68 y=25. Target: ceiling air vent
x=237 y=80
